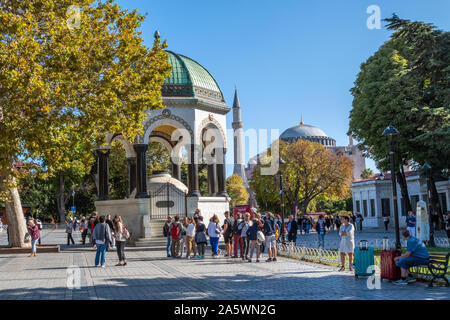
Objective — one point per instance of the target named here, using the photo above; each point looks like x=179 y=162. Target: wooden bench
x=438 y=267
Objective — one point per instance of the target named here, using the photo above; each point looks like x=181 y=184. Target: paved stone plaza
x=150 y=275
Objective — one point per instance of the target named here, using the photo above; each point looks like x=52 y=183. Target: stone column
x=176 y=170
x=221 y=173
x=141 y=170
x=102 y=169
x=131 y=183
x=212 y=179
x=193 y=172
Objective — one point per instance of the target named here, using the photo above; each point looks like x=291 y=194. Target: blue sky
x=288 y=57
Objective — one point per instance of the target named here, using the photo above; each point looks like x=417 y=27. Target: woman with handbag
x=34 y=233
x=214 y=231
x=121 y=240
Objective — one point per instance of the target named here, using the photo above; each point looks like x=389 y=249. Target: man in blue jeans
x=102 y=237
x=416 y=255
x=320 y=228
x=166 y=232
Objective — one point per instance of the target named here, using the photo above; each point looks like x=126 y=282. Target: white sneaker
x=401 y=282
x=410 y=280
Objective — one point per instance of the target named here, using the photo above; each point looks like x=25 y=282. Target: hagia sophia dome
x=308 y=132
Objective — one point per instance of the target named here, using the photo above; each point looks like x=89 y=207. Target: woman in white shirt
x=190 y=238
x=214 y=231
x=347 y=234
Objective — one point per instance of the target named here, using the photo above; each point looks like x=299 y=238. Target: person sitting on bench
x=416 y=255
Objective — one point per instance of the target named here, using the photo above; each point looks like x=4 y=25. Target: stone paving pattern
x=150 y=275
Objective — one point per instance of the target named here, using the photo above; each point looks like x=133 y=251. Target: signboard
x=243 y=209
x=73 y=209
x=422 y=224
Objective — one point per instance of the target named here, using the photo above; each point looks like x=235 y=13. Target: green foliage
x=118 y=171
x=335 y=206
x=367 y=173
x=406 y=84
x=158 y=158
x=63 y=88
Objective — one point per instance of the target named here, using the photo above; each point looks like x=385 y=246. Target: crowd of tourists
x=244 y=235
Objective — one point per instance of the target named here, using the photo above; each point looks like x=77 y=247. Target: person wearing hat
x=69 y=229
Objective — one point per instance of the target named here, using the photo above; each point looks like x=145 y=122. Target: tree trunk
x=436 y=205
x=305 y=205
x=401 y=179
x=60 y=199
x=14 y=214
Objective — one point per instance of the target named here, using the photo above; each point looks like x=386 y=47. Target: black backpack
x=165 y=231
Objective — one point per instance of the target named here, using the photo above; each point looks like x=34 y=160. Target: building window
x=372 y=207
x=443 y=201
x=385 y=207
x=414 y=200
x=358 y=206
x=365 y=208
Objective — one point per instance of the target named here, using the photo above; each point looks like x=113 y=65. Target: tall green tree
x=65 y=81
x=405 y=83
x=310 y=173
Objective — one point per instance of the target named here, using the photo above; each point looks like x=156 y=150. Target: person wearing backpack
x=166 y=232
x=183 y=238
x=200 y=237
x=102 y=238
x=228 y=234
x=252 y=235
x=120 y=237
x=69 y=229
x=214 y=231
x=237 y=225
x=175 y=231
x=270 y=228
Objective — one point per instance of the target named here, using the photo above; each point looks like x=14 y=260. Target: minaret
x=238 y=140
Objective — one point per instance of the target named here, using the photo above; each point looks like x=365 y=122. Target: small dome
x=190 y=79
x=160 y=178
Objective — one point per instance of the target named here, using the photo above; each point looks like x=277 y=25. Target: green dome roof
x=190 y=79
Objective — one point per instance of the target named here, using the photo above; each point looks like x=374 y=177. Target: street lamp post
x=280 y=162
x=391 y=133
x=265 y=196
